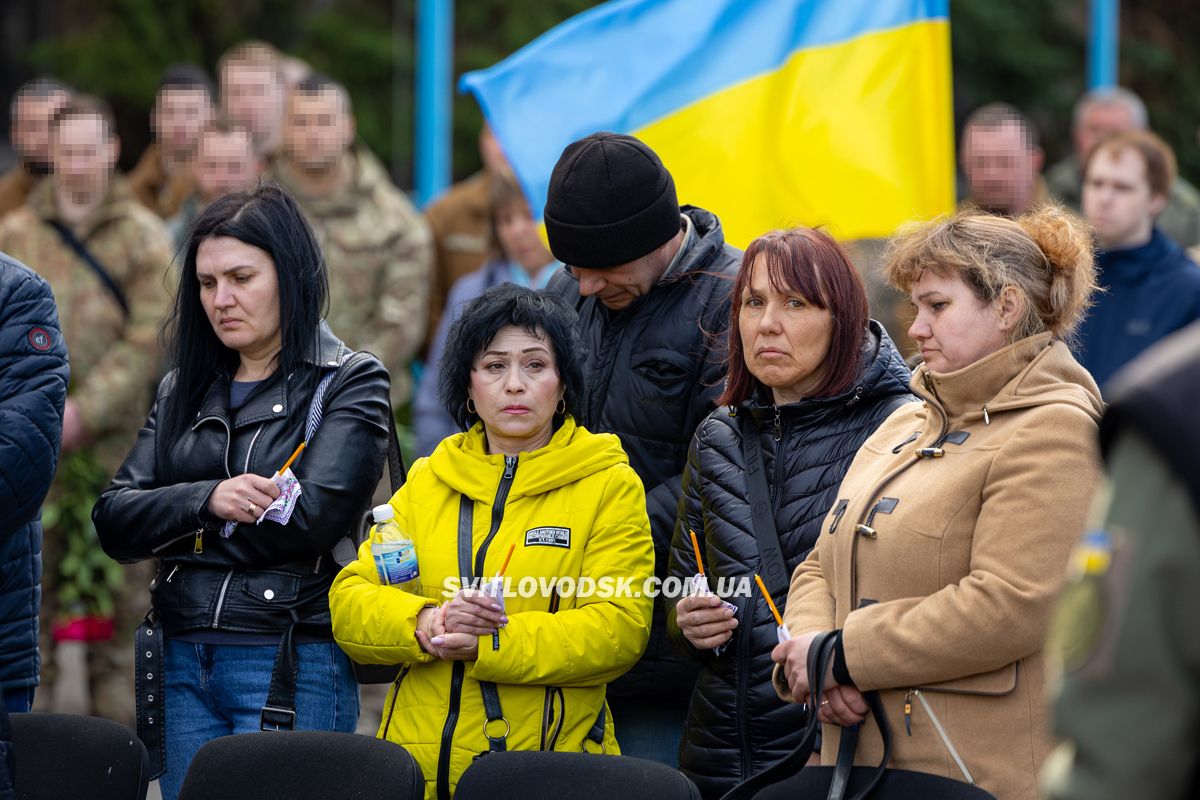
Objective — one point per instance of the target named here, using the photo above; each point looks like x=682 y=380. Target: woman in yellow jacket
x=527 y=672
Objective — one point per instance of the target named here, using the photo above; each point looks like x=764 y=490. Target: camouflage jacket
x=115 y=359
x=379 y=253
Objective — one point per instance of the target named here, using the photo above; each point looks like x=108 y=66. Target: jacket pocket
x=996 y=683
x=662 y=366
x=272 y=587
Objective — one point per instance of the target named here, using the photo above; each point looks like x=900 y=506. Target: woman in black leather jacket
x=240 y=627
x=810 y=378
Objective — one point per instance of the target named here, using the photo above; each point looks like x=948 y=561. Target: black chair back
x=579 y=776
x=302 y=765
x=68 y=756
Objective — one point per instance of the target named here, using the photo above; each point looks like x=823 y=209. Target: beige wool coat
x=943 y=556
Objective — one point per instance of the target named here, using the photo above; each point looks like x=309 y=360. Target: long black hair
x=538 y=314
x=267 y=218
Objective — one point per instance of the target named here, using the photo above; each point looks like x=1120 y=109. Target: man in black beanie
x=651 y=283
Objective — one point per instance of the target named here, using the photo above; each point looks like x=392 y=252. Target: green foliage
x=87 y=578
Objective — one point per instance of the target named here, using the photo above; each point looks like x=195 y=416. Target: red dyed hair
x=810 y=263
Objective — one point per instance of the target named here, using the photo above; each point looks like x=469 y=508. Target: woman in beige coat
x=941 y=559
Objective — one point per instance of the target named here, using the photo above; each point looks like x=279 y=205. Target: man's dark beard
x=38 y=169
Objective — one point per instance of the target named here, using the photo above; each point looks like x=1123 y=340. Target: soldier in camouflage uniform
x=115 y=357
x=33 y=106
x=378 y=247
x=183 y=106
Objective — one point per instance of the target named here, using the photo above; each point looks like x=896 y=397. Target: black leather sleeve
x=135 y=516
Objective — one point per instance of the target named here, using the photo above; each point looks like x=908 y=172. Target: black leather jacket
x=737 y=725
x=258 y=578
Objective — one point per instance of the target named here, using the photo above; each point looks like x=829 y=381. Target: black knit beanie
x=611 y=201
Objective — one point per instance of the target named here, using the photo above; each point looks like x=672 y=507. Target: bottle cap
x=382 y=513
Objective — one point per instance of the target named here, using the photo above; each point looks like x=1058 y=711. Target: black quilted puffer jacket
x=736 y=724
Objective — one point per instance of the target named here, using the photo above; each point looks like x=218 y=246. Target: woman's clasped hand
x=839 y=705
x=451 y=631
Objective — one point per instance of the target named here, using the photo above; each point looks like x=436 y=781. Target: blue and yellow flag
x=768 y=113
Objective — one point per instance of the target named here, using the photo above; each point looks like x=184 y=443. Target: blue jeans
x=19 y=701
x=651 y=732
x=217 y=690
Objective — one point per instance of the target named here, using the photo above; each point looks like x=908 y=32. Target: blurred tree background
x=1031 y=53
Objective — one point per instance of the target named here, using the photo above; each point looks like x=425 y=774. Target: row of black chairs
x=63 y=757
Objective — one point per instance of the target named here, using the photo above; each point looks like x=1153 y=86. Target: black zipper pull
x=857 y=396
x=908 y=712
x=198 y=547
x=778 y=431
x=510 y=465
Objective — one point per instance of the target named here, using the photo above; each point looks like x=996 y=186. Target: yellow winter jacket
x=573 y=509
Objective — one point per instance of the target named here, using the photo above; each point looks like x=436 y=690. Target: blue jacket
x=1151 y=291
x=33 y=391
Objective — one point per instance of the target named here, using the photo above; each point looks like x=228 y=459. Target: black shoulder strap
x=491 y=695
x=397 y=471
x=81 y=250
x=774 y=568
x=819 y=653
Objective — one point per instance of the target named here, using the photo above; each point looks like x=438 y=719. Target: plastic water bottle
x=395 y=554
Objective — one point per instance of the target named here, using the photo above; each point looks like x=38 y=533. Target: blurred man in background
x=106 y=257
x=224 y=163
x=183 y=105
x=1151 y=288
x=376 y=244
x=252 y=93
x=33 y=106
x=461 y=223
x=1002 y=161
x=1100 y=113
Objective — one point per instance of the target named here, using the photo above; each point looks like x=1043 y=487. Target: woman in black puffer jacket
x=810 y=378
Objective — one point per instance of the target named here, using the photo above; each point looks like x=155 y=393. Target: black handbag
x=789 y=777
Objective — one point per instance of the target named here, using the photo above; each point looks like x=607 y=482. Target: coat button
x=269 y=594
x=277 y=407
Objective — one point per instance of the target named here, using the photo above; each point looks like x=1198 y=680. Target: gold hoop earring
x=562 y=405
x=470 y=406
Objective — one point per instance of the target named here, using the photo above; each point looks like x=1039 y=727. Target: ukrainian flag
x=768 y=113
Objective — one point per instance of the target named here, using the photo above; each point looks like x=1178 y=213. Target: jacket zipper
x=743 y=681
x=547 y=704
x=863 y=527
x=506 y=480
x=228 y=436
x=216 y=622
x=937 y=725
x=395 y=697
x=443 y=768
x=196 y=533
x=456 y=679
